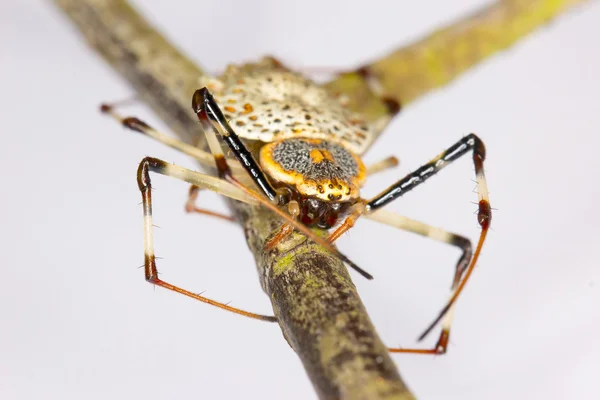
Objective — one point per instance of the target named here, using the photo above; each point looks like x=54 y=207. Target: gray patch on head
x=294 y=156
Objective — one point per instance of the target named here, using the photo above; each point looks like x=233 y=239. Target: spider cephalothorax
x=322 y=176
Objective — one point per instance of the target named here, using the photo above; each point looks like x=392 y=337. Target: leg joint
x=462 y=242
x=478 y=147
x=135 y=124
x=484 y=215
x=146 y=165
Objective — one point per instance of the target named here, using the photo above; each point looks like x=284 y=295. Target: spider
x=309 y=170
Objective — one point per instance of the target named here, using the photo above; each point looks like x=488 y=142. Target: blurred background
x=77 y=319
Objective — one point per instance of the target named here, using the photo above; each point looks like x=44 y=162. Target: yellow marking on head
x=318 y=155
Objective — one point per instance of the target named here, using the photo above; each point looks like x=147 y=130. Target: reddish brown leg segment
x=285 y=231
x=348 y=223
x=431 y=232
x=148 y=165
x=470 y=143
x=190 y=206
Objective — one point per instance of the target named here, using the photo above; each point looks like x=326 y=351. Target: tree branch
x=434 y=61
x=314 y=299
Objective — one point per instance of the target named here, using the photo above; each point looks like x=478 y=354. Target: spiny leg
x=190 y=206
x=214 y=123
x=440 y=235
x=148 y=165
x=137 y=125
x=469 y=143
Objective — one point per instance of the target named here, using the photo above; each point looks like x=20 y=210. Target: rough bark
x=408 y=73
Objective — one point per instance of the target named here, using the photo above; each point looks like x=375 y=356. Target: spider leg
x=215 y=123
x=137 y=125
x=205 y=158
x=440 y=235
x=359 y=209
x=286 y=229
x=190 y=206
x=469 y=143
x=148 y=165
x=382 y=165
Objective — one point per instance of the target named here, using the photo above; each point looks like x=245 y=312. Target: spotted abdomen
x=267 y=102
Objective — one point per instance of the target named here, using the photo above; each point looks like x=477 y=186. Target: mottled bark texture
x=314 y=299
x=408 y=73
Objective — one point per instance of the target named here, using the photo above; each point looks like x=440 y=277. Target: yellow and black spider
x=309 y=171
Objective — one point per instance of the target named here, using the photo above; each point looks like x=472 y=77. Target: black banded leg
x=190 y=206
x=440 y=235
x=484 y=216
x=214 y=123
x=148 y=165
x=137 y=125
x=469 y=143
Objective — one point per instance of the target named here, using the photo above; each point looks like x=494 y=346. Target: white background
x=78 y=320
